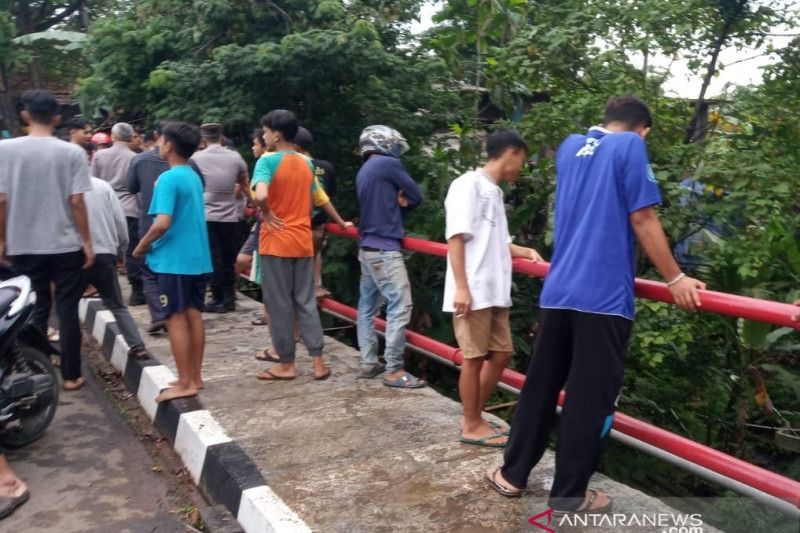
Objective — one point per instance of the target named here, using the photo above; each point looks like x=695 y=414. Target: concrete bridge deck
x=351 y=455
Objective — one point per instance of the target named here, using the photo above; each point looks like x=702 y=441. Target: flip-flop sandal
x=406 y=381
x=139 y=353
x=266 y=375
x=500 y=427
x=8 y=504
x=324 y=376
x=266 y=355
x=587 y=508
x=485 y=441
x=491 y=480
x=259 y=322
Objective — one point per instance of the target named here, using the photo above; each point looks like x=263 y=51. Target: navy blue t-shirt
x=601 y=178
x=380 y=220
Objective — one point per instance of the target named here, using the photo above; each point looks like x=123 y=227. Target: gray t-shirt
x=107 y=223
x=38 y=175
x=111 y=165
x=221 y=169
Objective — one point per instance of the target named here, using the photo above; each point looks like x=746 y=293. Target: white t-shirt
x=475 y=209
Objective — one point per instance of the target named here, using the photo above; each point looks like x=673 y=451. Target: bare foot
x=178 y=391
x=198 y=386
x=13 y=488
x=74 y=384
x=321 y=370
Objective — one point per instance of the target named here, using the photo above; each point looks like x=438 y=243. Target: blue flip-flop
x=406 y=381
x=485 y=441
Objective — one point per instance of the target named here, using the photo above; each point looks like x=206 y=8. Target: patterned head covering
x=384 y=140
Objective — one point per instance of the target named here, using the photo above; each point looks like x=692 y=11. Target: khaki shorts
x=483 y=331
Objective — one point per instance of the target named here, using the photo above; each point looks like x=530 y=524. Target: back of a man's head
x=501 y=141
x=122 y=131
x=283 y=121
x=76 y=123
x=41 y=106
x=630 y=111
x=183 y=137
x=303 y=139
x=211 y=132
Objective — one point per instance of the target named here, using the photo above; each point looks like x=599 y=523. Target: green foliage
x=547 y=67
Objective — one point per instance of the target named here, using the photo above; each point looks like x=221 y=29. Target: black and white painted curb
x=219 y=467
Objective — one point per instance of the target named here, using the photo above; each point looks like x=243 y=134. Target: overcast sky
x=683 y=81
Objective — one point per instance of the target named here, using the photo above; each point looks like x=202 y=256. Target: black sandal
x=8 y=504
x=492 y=482
x=586 y=509
x=266 y=355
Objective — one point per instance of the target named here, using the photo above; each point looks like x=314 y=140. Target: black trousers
x=103 y=277
x=583 y=352
x=65 y=271
x=133 y=264
x=152 y=293
x=223 y=239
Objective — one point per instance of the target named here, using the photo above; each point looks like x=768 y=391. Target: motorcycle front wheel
x=33 y=420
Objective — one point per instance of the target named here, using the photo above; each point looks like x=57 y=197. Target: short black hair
x=41 y=105
x=282 y=120
x=183 y=137
x=158 y=127
x=258 y=135
x=150 y=135
x=303 y=139
x=77 y=123
x=628 y=110
x=502 y=140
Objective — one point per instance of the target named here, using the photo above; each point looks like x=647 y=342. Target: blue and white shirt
x=601 y=178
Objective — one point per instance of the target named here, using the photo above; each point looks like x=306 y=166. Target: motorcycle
x=28 y=381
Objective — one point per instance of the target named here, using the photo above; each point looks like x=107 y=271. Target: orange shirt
x=293 y=188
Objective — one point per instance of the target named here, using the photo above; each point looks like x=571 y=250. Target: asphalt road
x=90 y=473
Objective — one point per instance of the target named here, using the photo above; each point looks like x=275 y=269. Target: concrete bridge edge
x=219 y=467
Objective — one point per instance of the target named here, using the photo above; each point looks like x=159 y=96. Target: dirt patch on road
x=184 y=498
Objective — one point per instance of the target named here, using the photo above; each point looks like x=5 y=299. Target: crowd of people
x=174 y=217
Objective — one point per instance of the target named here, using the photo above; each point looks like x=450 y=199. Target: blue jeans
x=383 y=274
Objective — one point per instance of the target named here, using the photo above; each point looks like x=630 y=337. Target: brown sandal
x=266 y=355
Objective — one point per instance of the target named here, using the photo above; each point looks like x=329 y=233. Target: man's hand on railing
x=346 y=224
x=523 y=252
x=533 y=255
x=684 y=291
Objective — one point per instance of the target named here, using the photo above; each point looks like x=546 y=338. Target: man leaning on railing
x=605 y=193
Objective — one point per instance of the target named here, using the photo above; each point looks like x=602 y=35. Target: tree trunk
x=84 y=11
x=7 y=102
x=691 y=133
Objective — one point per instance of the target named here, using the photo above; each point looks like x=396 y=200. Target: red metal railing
x=780 y=314
x=716 y=302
